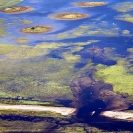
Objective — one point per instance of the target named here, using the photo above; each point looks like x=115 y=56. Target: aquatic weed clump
x=89 y=4
x=16 y=9
x=69 y=16
x=36 y=29
x=116 y=75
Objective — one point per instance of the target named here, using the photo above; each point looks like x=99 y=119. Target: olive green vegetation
x=4 y=49
x=31 y=113
x=2 y=20
x=28 y=71
x=22 y=40
x=89 y=4
x=3 y=32
x=89 y=30
x=117 y=75
x=123 y=7
x=28 y=102
x=30 y=121
x=5 y=3
x=125 y=17
x=26 y=21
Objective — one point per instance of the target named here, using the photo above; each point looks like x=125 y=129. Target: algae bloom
x=89 y=4
x=16 y=9
x=69 y=16
x=36 y=29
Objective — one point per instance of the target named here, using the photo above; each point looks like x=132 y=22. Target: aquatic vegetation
x=69 y=16
x=71 y=58
x=36 y=29
x=6 y=3
x=123 y=7
x=3 y=32
x=22 y=40
x=26 y=21
x=74 y=130
x=16 y=9
x=89 y=4
x=125 y=17
x=5 y=48
x=117 y=75
x=90 y=30
x=2 y=20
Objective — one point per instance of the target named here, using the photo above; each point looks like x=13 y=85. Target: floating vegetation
x=22 y=40
x=69 y=16
x=5 y=3
x=26 y=21
x=116 y=75
x=5 y=48
x=123 y=7
x=16 y=9
x=2 y=20
x=125 y=17
x=3 y=32
x=89 y=4
x=36 y=29
x=90 y=30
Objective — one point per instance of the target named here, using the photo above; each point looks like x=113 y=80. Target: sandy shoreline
x=66 y=111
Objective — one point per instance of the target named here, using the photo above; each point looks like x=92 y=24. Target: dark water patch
x=90 y=96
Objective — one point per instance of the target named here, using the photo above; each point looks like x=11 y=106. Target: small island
x=16 y=9
x=36 y=29
x=69 y=16
x=89 y=4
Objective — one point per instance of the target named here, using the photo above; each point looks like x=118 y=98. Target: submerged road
x=66 y=111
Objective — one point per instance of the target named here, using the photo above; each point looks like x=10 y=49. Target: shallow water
x=42 y=66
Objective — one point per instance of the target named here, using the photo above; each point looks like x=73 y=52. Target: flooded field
x=45 y=45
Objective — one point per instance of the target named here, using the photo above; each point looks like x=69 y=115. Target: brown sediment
x=89 y=4
x=36 y=29
x=69 y=16
x=16 y=9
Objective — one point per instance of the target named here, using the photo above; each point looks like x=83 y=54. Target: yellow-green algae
x=22 y=40
x=2 y=20
x=42 y=78
x=26 y=21
x=89 y=4
x=123 y=7
x=3 y=32
x=117 y=75
x=5 y=3
x=125 y=17
x=69 y=16
x=71 y=58
x=91 y=30
x=36 y=29
x=5 y=48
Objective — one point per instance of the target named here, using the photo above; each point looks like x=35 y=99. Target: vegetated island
x=36 y=29
x=89 y=4
x=16 y=9
x=69 y=16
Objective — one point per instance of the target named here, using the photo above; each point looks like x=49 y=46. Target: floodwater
x=42 y=66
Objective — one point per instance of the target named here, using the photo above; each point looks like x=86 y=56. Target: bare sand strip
x=66 y=111
x=61 y=110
